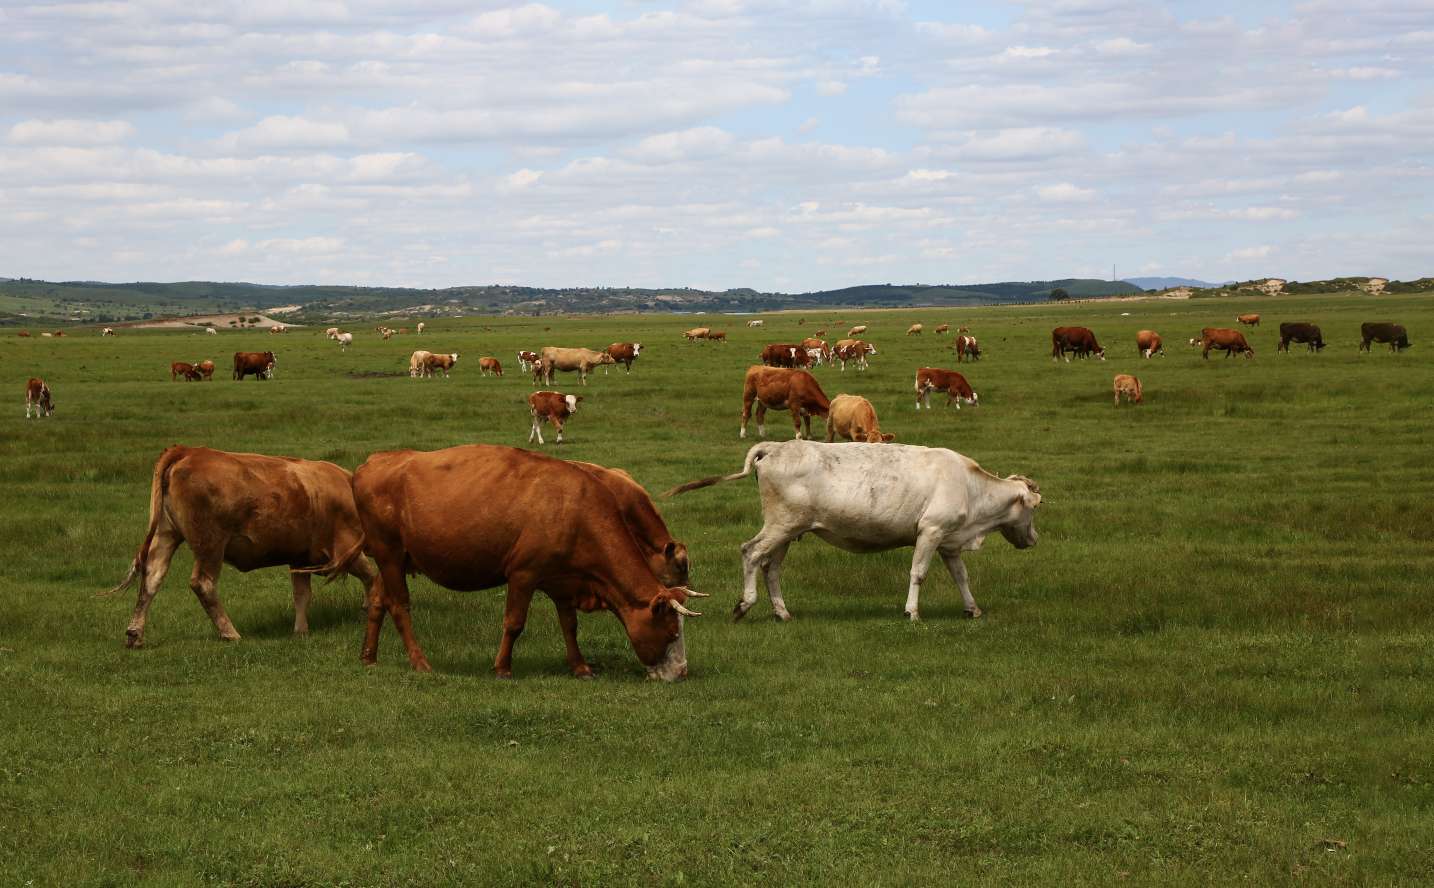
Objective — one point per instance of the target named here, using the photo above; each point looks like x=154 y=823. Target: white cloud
x=281 y=132
x=830 y=87
x=1064 y=192
x=70 y=132
x=1245 y=253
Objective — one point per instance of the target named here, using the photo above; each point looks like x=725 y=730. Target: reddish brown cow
x=1079 y=340
x=1148 y=342
x=785 y=354
x=717 y=336
x=778 y=389
x=464 y=518
x=37 y=398
x=665 y=556
x=190 y=372
x=1250 y=320
x=623 y=353
x=853 y=417
x=248 y=511
x=489 y=365
x=206 y=369
x=943 y=328
x=261 y=364
x=967 y=348
x=1229 y=341
x=553 y=407
x=23 y=334
x=934 y=379
x=436 y=363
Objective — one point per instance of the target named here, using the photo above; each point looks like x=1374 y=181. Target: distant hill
x=1165 y=283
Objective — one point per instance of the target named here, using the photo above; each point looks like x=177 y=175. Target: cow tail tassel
x=158 y=487
x=753 y=456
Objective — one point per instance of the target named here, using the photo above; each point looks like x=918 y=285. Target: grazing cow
x=1231 y=342
x=816 y=349
x=696 y=333
x=780 y=389
x=943 y=328
x=24 y=334
x=418 y=363
x=717 y=336
x=421 y=325
x=211 y=331
x=967 y=348
x=852 y=350
x=278 y=328
x=464 y=517
x=1078 y=340
x=1127 y=385
x=1309 y=334
x=582 y=360
x=332 y=333
x=869 y=498
x=108 y=331
x=344 y=340
x=914 y=330
x=387 y=333
x=433 y=363
x=853 y=417
x=856 y=331
x=248 y=511
x=934 y=379
x=1148 y=342
x=261 y=364
x=1250 y=320
x=553 y=407
x=206 y=369
x=785 y=354
x=624 y=353
x=59 y=334
x=489 y=365
x=189 y=371
x=1393 y=334
x=37 y=399
x=755 y=323
x=819 y=333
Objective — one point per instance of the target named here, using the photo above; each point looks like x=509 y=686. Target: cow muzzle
x=673 y=665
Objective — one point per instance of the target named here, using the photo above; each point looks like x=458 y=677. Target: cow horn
x=682 y=609
x=693 y=593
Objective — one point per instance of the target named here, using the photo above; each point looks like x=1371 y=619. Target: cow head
x=672 y=569
x=572 y=402
x=46 y=401
x=1100 y=353
x=1402 y=342
x=606 y=358
x=636 y=349
x=655 y=632
x=454 y=356
x=1018 y=525
x=870 y=349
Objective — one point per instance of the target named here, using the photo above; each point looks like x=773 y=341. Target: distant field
x=1218 y=658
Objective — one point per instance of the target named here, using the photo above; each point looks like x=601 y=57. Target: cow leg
x=773 y=576
x=395 y=601
x=926 y=543
x=203 y=581
x=536 y=431
x=797 y=423
x=557 y=424
x=568 y=619
x=957 y=568
x=515 y=617
x=746 y=415
x=761 y=420
x=755 y=555
x=156 y=565
x=303 y=591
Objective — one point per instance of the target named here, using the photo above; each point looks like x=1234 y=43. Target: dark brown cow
x=206 y=369
x=37 y=398
x=489 y=365
x=1078 y=340
x=1148 y=343
x=23 y=334
x=190 y=372
x=785 y=354
x=1309 y=334
x=248 y=511
x=1249 y=320
x=1231 y=342
x=553 y=407
x=967 y=347
x=934 y=379
x=261 y=364
x=1394 y=334
x=779 y=389
x=623 y=353
x=464 y=517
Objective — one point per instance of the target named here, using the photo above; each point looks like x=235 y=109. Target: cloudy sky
x=779 y=144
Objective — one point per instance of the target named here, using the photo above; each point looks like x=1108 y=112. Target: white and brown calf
x=553 y=407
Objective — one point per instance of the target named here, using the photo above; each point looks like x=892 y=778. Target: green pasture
x=1216 y=667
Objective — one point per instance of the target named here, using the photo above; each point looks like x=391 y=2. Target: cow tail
x=756 y=453
x=158 y=487
x=338 y=565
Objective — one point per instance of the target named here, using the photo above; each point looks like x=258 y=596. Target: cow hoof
x=914 y=616
x=133 y=639
x=233 y=636
x=782 y=617
x=421 y=665
x=738 y=612
x=585 y=676
x=973 y=613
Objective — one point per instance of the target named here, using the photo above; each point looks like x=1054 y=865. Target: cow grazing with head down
x=1249 y=320
x=1148 y=343
x=489 y=365
x=717 y=336
x=1079 y=341
x=181 y=368
x=933 y=499
x=260 y=364
x=914 y=330
x=418 y=363
x=696 y=333
x=37 y=399
x=463 y=517
x=248 y=511
x=108 y=331
x=934 y=379
x=1231 y=342
x=24 y=334
x=623 y=353
x=440 y=363
x=211 y=331
x=967 y=348
x=1394 y=334
x=206 y=369
x=344 y=340
x=1129 y=386
x=785 y=354
x=943 y=328
x=854 y=418
x=756 y=323
x=568 y=360
x=856 y=331
x=553 y=407
x=781 y=389
x=1308 y=334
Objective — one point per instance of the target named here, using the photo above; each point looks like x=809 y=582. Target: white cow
x=418 y=363
x=420 y=326
x=108 y=331
x=211 y=331
x=344 y=340
x=873 y=497
x=332 y=332
x=755 y=323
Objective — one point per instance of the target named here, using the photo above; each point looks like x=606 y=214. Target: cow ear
x=580 y=397
x=670 y=549
x=888 y=438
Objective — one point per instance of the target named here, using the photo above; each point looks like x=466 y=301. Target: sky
x=789 y=145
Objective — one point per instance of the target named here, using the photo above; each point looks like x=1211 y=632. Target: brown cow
x=37 y=398
x=696 y=333
x=778 y=389
x=1079 y=340
x=934 y=379
x=206 y=369
x=1127 y=385
x=1309 y=334
x=819 y=333
x=853 y=417
x=816 y=349
x=666 y=557
x=717 y=336
x=60 y=334
x=248 y=511
x=261 y=364
x=623 y=353
x=854 y=350
x=943 y=328
x=189 y=371
x=24 y=334
x=967 y=348
x=526 y=360
x=434 y=363
x=914 y=330
x=464 y=518
x=1148 y=342
x=1251 y=320
x=1394 y=334
x=489 y=365
x=1229 y=341
x=554 y=407
x=785 y=354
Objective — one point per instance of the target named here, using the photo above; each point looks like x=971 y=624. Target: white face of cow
x=454 y=356
x=636 y=349
x=673 y=665
x=572 y=403
x=1019 y=528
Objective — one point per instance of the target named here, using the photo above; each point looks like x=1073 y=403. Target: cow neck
x=627 y=574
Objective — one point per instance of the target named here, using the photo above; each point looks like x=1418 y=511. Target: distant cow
x=914 y=330
x=1249 y=320
x=785 y=354
x=1148 y=343
x=553 y=407
x=568 y=360
x=421 y=325
x=188 y=371
x=344 y=340
x=967 y=348
x=816 y=349
x=261 y=364
x=1231 y=342
x=1308 y=334
x=1127 y=385
x=278 y=328
x=418 y=363
x=489 y=365
x=248 y=511
x=852 y=417
x=755 y=323
x=108 y=331
x=206 y=369
x=717 y=336
x=696 y=333
x=856 y=331
x=526 y=360
x=943 y=328
x=779 y=389
x=934 y=379
x=436 y=363
x=933 y=499
x=211 y=331
x=24 y=334
x=623 y=353
x=819 y=333
x=1080 y=341
x=332 y=332
x=1393 y=334
x=37 y=399
x=854 y=350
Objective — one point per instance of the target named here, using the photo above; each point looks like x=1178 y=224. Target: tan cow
x=1148 y=341
x=1127 y=385
x=853 y=417
x=553 y=407
x=421 y=325
x=436 y=363
x=489 y=365
x=856 y=331
x=778 y=388
x=696 y=333
x=332 y=332
x=418 y=363
x=37 y=399
x=582 y=360
x=1249 y=320
x=943 y=328
x=914 y=330
x=248 y=511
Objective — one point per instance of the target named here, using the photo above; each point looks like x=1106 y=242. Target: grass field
x=1218 y=657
